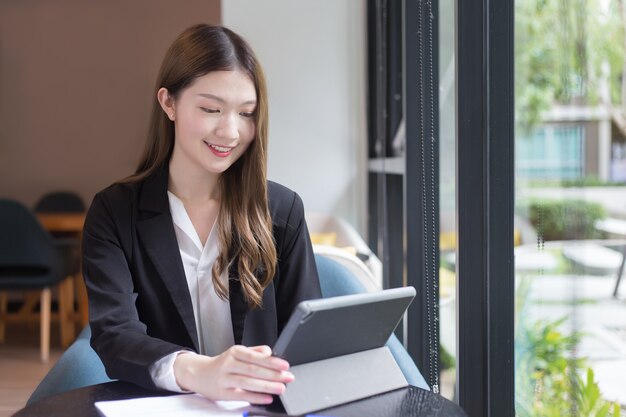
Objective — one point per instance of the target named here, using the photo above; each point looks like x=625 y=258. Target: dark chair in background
x=60 y=202
x=29 y=260
x=68 y=243
x=59 y=205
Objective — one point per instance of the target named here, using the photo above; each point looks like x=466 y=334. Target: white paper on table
x=171 y=406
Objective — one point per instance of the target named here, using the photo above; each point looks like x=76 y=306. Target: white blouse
x=212 y=314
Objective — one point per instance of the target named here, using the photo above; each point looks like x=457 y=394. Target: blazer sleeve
x=118 y=336
x=297 y=279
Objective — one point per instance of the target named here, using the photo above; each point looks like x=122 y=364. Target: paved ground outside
x=587 y=302
x=585 y=299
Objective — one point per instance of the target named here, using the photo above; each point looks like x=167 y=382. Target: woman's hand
x=241 y=373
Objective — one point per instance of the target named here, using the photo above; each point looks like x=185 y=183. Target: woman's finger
x=262 y=349
x=260 y=372
x=257 y=385
x=250 y=355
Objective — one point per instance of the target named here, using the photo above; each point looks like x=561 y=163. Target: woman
x=194 y=264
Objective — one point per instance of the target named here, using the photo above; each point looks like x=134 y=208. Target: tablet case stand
x=330 y=382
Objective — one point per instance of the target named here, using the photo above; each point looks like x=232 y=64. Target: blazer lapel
x=156 y=232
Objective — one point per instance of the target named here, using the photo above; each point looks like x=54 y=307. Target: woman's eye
x=247 y=114
x=207 y=110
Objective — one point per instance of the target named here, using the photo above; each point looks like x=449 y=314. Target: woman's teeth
x=219 y=148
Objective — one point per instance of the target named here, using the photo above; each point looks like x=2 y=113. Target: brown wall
x=76 y=84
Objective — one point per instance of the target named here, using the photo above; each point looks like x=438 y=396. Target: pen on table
x=271 y=414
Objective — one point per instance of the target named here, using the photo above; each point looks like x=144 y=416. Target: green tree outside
x=564 y=49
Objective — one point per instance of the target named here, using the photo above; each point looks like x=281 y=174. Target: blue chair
x=336 y=280
x=80 y=366
x=28 y=261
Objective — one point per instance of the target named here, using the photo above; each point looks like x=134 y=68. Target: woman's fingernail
x=288 y=375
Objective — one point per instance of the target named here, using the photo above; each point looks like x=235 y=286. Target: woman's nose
x=227 y=127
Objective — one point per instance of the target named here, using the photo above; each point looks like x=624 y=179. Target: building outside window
x=570 y=206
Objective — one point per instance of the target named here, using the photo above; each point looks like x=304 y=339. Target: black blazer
x=139 y=304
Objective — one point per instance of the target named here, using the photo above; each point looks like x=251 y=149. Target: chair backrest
x=78 y=367
x=353 y=264
x=335 y=231
x=24 y=244
x=60 y=201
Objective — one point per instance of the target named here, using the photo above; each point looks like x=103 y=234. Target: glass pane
x=447 y=219
x=570 y=208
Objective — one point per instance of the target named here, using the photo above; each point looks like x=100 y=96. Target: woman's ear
x=167 y=103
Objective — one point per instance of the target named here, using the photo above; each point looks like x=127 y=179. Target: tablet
x=329 y=327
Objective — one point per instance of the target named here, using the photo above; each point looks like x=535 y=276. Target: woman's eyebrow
x=221 y=100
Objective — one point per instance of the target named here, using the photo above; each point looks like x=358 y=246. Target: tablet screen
x=328 y=327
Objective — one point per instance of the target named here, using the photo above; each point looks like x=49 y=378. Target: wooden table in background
x=69 y=223
x=62 y=222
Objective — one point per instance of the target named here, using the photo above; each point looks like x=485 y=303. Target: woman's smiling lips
x=220 y=151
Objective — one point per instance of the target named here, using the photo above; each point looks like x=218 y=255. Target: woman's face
x=214 y=121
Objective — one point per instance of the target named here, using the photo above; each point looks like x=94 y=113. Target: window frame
x=485 y=206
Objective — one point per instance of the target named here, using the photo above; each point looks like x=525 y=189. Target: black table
x=406 y=402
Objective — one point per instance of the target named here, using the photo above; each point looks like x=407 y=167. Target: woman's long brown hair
x=244 y=224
